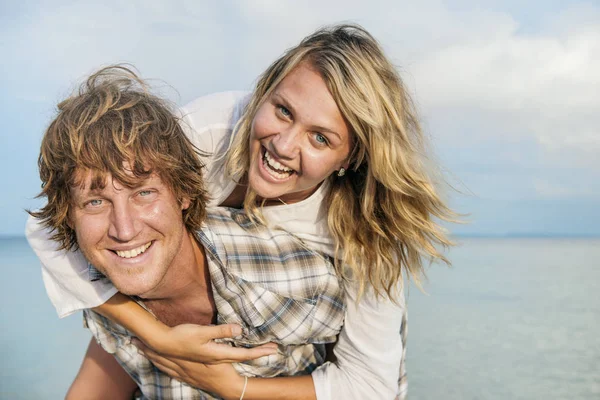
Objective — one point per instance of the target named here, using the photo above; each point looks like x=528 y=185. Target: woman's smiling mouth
x=275 y=168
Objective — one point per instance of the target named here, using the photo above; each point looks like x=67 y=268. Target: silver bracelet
x=244 y=390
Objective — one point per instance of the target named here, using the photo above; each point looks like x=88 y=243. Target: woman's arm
x=187 y=341
x=369 y=351
x=65 y=274
x=369 y=359
x=69 y=288
x=223 y=379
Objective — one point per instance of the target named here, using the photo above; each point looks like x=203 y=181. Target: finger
x=224 y=331
x=162 y=363
x=222 y=353
x=169 y=371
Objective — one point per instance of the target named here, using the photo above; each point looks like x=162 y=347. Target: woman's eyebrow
x=281 y=98
x=322 y=129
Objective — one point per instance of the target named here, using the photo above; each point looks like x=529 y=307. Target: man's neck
x=185 y=296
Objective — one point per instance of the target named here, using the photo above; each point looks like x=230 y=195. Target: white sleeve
x=65 y=274
x=369 y=351
x=208 y=120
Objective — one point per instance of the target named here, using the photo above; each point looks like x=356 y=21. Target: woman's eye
x=145 y=193
x=321 y=139
x=284 y=111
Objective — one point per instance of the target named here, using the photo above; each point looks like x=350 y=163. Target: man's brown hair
x=114 y=125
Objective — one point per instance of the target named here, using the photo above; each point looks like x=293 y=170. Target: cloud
x=545 y=85
x=509 y=91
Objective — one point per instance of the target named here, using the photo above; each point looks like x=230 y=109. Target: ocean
x=511 y=319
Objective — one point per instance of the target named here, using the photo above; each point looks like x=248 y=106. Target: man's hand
x=196 y=343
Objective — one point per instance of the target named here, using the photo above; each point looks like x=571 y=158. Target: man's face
x=131 y=235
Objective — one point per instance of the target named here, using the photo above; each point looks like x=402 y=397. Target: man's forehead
x=91 y=180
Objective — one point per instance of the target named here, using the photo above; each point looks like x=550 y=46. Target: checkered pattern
x=265 y=280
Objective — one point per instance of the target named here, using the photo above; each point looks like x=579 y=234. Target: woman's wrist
x=234 y=390
x=155 y=335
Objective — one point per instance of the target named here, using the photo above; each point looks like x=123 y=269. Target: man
x=124 y=185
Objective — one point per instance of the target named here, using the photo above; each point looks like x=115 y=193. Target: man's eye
x=94 y=203
x=146 y=195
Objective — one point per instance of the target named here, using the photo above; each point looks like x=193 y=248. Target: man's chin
x=139 y=289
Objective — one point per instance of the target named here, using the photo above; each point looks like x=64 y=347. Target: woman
x=330 y=147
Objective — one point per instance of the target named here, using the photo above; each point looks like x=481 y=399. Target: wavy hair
x=383 y=213
x=113 y=120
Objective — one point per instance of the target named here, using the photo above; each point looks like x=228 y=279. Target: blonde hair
x=113 y=120
x=382 y=214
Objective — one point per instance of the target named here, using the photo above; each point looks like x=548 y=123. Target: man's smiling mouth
x=133 y=252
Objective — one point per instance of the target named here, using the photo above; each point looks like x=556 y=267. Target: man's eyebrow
x=80 y=195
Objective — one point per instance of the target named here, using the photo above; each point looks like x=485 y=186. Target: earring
x=342 y=172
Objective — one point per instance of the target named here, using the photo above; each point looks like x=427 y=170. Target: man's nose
x=286 y=143
x=123 y=227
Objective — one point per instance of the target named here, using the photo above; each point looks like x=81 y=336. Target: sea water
x=512 y=319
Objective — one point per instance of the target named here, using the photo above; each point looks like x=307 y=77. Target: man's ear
x=185 y=203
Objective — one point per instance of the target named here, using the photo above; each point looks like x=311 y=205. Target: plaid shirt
x=263 y=279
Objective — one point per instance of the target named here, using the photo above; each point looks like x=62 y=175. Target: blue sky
x=509 y=91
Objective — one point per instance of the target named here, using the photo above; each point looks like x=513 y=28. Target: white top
x=369 y=349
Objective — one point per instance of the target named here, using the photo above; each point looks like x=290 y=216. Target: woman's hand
x=191 y=342
x=187 y=341
x=221 y=378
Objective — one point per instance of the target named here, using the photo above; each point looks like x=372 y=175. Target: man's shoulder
x=240 y=242
x=235 y=223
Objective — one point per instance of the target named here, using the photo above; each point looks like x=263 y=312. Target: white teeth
x=279 y=170
x=274 y=164
x=133 y=252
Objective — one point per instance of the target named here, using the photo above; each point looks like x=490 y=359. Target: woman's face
x=298 y=138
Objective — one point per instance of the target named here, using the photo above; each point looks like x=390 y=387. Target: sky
x=508 y=91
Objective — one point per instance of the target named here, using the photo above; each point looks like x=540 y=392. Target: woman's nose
x=287 y=141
